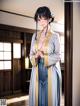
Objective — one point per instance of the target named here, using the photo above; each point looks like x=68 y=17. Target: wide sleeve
x=32 y=51
x=51 y=58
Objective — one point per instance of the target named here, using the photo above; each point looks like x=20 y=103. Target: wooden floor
x=18 y=101
x=23 y=100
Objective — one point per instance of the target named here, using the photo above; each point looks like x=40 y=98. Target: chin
x=43 y=26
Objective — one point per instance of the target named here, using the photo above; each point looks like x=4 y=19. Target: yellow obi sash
x=48 y=36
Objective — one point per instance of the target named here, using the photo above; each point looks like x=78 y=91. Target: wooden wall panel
x=1 y=83
x=5 y=82
x=12 y=81
x=17 y=74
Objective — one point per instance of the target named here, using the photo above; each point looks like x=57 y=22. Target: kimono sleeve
x=53 y=57
x=32 y=52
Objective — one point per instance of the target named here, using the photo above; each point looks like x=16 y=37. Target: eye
x=44 y=19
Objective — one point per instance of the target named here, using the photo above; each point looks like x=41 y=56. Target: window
x=5 y=55
x=62 y=48
x=16 y=50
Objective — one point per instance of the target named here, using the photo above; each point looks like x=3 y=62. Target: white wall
x=15 y=20
x=76 y=54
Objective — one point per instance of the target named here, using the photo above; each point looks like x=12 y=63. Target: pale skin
x=44 y=23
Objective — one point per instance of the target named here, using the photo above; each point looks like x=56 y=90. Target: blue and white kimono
x=46 y=93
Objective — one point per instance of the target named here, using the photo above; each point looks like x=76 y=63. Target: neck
x=46 y=29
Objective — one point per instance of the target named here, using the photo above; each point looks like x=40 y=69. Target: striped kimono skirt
x=43 y=83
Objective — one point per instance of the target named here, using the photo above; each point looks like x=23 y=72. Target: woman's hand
x=39 y=54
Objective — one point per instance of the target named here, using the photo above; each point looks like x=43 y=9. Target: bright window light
x=62 y=39
x=1 y=55
x=7 y=46
x=1 y=65
x=62 y=48
x=1 y=46
x=7 y=55
x=16 y=50
x=26 y=62
x=7 y=64
x=62 y=57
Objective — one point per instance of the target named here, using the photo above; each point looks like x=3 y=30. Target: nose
x=41 y=21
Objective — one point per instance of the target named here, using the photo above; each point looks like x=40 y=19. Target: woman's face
x=43 y=22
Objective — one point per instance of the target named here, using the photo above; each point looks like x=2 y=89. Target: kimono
x=52 y=69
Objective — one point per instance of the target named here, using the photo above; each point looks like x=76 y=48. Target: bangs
x=40 y=16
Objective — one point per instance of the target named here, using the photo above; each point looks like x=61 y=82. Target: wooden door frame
x=68 y=53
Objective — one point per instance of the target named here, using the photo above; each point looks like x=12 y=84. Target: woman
x=45 y=56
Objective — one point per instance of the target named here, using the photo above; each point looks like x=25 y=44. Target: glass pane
x=7 y=46
x=16 y=50
x=62 y=57
x=1 y=46
x=62 y=48
x=1 y=65
x=7 y=64
x=26 y=62
x=7 y=55
x=61 y=39
x=1 y=55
